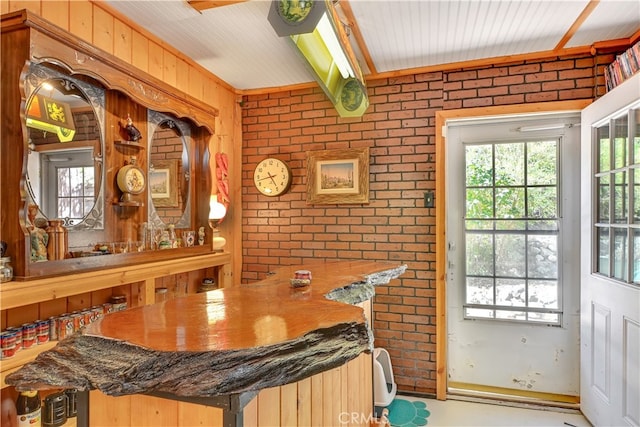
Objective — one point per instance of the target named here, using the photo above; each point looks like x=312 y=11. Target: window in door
x=617 y=187
x=512 y=225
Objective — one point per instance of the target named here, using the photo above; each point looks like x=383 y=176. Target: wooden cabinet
x=28 y=41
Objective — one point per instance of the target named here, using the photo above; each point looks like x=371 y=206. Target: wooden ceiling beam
x=589 y=8
x=357 y=34
x=201 y=5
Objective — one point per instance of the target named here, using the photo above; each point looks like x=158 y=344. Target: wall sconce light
x=314 y=28
x=217 y=211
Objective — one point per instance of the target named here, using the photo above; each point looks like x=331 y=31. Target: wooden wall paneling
x=170 y=68
x=190 y=414
x=27 y=313
x=354 y=390
x=101 y=296
x=31 y=5
x=250 y=413
x=155 y=56
x=140 y=45
x=196 y=83
x=122 y=42
x=317 y=401
x=56 y=11
x=289 y=405
x=79 y=302
x=109 y=411
x=103 y=30
x=304 y=402
x=54 y=307
x=269 y=407
x=153 y=411
x=81 y=20
x=182 y=75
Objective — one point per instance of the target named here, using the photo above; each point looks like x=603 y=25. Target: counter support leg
x=232 y=419
x=83 y=408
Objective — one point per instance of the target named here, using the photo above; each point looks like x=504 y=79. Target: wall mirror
x=65 y=120
x=169 y=171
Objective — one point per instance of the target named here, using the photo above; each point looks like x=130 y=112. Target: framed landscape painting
x=338 y=176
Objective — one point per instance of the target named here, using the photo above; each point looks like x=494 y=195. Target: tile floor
x=459 y=413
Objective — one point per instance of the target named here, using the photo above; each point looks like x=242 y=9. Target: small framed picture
x=338 y=176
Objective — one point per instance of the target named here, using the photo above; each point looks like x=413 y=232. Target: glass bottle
x=6 y=270
x=28 y=409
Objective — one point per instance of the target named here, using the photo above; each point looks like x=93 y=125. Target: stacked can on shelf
x=54 y=328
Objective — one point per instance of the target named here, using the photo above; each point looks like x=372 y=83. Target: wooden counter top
x=225 y=341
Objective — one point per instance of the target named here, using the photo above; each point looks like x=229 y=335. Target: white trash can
x=384 y=385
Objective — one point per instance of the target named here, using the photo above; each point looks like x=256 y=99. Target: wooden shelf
x=22 y=357
x=131 y=203
x=133 y=144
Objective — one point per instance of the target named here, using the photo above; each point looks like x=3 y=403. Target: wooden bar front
x=253 y=338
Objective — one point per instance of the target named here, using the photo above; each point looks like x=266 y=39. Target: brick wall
x=399 y=130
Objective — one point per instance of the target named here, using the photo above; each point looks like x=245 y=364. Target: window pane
x=542 y=202
x=509 y=164
x=636 y=195
x=620 y=135
x=479 y=203
x=543 y=257
x=620 y=254
x=544 y=317
x=541 y=163
x=544 y=294
x=511 y=224
x=63 y=182
x=76 y=181
x=510 y=255
x=511 y=315
x=636 y=256
x=510 y=202
x=548 y=225
x=620 y=197
x=479 y=165
x=603 y=250
x=511 y=292
x=479 y=312
x=478 y=224
x=604 y=153
x=603 y=198
x=636 y=136
x=479 y=250
x=479 y=290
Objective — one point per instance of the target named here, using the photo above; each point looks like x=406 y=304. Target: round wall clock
x=272 y=177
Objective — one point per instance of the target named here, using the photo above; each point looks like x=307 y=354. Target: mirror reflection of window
x=64 y=118
x=69 y=183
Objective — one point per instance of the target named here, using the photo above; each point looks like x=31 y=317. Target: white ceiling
x=236 y=42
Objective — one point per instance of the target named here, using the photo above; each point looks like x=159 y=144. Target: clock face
x=272 y=177
x=131 y=179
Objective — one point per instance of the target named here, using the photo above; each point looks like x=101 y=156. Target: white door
x=513 y=236
x=610 y=258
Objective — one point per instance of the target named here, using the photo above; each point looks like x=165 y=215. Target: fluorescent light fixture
x=315 y=30
x=331 y=41
x=535 y=128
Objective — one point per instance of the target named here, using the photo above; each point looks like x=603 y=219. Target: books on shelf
x=625 y=66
